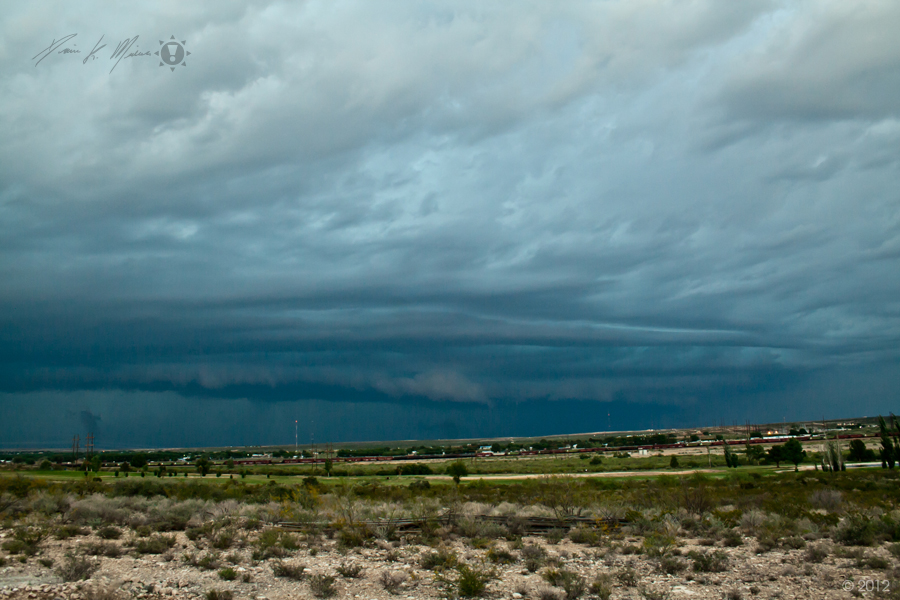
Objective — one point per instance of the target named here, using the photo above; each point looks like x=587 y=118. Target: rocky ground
x=836 y=572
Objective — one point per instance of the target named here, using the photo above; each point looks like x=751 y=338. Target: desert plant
x=228 y=574
x=351 y=571
x=289 y=571
x=545 y=592
x=440 y=559
x=219 y=595
x=732 y=538
x=109 y=532
x=156 y=544
x=65 y=532
x=555 y=536
x=108 y=549
x=534 y=557
x=627 y=577
x=655 y=593
x=709 y=562
x=855 y=530
x=322 y=586
x=500 y=556
x=110 y=591
x=471 y=582
x=585 y=535
x=391 y=581
x=26 y=541
x=671 y=565
x=601 y=587
x=827 y=499
x=816 y=553
x=77 y=568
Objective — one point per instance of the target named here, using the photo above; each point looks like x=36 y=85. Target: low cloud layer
x=448 y=204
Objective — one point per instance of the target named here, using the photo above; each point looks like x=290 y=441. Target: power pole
x=295 y=436
x=75 y=443
x=90 y=446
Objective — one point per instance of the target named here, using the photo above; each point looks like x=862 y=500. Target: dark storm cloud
x=436 y=203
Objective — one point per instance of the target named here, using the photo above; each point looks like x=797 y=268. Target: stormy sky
x=393 y=220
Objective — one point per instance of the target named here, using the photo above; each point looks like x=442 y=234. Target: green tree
x=793 y=451
x=203 y=465
x=139 y=461
x=731 y=459
x=457 y=470
x=888 y=452
x=776 y=455
x=754 y=454
x=674 y=462
x=329 y=465
x=859 y=452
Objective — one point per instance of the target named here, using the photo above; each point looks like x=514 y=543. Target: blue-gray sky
x=441 y=219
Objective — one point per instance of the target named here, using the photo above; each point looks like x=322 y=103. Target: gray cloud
x=471 y=203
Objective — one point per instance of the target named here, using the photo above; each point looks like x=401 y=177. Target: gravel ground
x=779 y=573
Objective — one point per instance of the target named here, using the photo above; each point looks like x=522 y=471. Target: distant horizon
x=441 y=441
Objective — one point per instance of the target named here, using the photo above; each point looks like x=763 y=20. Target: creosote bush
x=350 y=571
x=709 y=562
x=322 y=586
x=391 y=581
x=77 y=568
x=283 y=569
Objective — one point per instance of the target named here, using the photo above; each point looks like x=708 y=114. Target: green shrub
x=218 y=594
x=585 y=535
x=732 y=538
x=555 y=536
x=391 y=581
x=322 y=586
x=855 y=530
x=601 y=587
x=816 y=553
x=794 y=542
x=471 y=582
x=26 y=541
x=500 y=556
x=65 y=532
x=77 y=568
x=282 y=569
x=156 y=544
x=534 y=557
x=109 y=533
x=572 y=584
x=872 y=561
x=228 y=574
x=108 y=549
x=671 y=565
x=709 y=562
x=437 y=560
x=351 y=571
x=627 y=577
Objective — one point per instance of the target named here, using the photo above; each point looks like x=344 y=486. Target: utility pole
x=295 y=436
x=75 y=443
x=90 y=446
